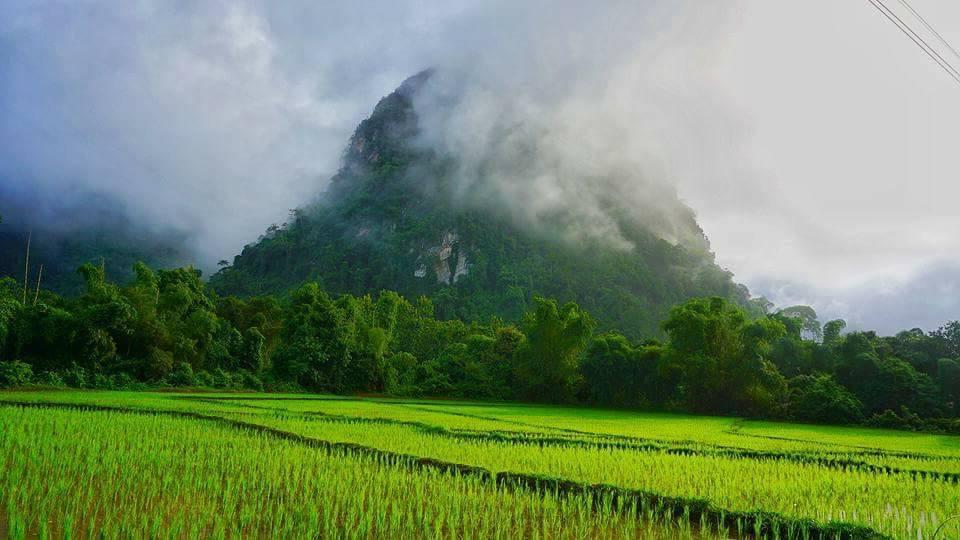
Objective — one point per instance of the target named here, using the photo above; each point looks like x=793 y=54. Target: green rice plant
x=114 y=475
x=782 y=480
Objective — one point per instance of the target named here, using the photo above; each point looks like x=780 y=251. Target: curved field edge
x=740 y=428
x=588 y=439
x=758 y=522
x=888 y=442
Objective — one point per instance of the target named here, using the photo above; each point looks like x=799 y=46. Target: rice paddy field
x=166 y=465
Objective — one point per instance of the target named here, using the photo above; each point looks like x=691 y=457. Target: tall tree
x=548 y=361
x=720 y=359
x=314 y=351
x=809 y=324
x=618 y=374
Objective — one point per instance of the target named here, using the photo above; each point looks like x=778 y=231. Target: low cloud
x=925 y=299
x=576 y=132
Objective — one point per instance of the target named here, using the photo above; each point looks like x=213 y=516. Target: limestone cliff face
x=447 y=260
x=462 y=268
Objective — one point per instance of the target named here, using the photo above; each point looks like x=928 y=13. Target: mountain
x=393 y=218
x=74 y=230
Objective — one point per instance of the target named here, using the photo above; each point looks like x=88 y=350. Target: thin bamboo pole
x=36 y=296
x=26 y=268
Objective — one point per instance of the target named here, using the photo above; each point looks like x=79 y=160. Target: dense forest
x=168 y=329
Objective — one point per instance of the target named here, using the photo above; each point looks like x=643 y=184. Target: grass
x=114 y=475
x=263 y=465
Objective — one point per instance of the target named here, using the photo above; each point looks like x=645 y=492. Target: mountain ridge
x=390 y=219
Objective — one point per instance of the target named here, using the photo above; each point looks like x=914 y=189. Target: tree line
x=166 y=328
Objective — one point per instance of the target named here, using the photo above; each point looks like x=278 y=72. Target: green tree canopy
x=548 y=361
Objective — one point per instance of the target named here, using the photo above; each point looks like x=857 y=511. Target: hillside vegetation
x=390 y=220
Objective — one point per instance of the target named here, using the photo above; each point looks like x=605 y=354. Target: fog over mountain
x=812 y=140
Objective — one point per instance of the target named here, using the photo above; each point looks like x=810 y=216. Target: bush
x=51 y=379
x=182 y=376
x=400 y=375
x=222 y=379
x=203 y=378
x=15 y=373
x=283 y=387
x=890 y=420
x=250 y=381
x=75 y=377
x=820 y=398
x=159 y=363
x=123 y=381
x=101 y=382
x=943 y=425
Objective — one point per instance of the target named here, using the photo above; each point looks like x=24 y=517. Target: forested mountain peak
x=473 y=233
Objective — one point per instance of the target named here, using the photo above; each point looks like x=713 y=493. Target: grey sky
x=851 y=137
x=815 y=143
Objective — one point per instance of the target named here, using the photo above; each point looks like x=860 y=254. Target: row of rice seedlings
x=103 y=474
x=944 y=469
x=375 y=411
x=945 y=465
x=665 y=428
x=719 y=430
x=897 y=504
x=898 y=512
x=472 y=418
x=891 y=441
x=677 y=427
x=694 y=431
x=753 y=439
x=475 y=422
x=429 y=452
x=780 y=526
x=120 y=399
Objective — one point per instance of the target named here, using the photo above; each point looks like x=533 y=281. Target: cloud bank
x=574 y=130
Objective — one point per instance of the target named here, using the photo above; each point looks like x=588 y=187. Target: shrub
x=891 y=420
x=284 y=387
x=75 y=377
x=203 y=378
x=101 y=382
x=249 y=380
x=400 y=375
x=159 y=363
x=15 y=373
x=819 y=398
x=182 y=376
x=222 y=379
x=943 y=425
x=123 y=381
x=51 y=379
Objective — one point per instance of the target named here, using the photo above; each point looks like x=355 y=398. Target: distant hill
x=65 y=235
x=387 y=222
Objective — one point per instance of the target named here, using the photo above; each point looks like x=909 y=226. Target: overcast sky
x=816 y=144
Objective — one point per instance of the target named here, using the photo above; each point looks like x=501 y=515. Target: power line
x=913 y=35
x=929 y=27
x=919 y=41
